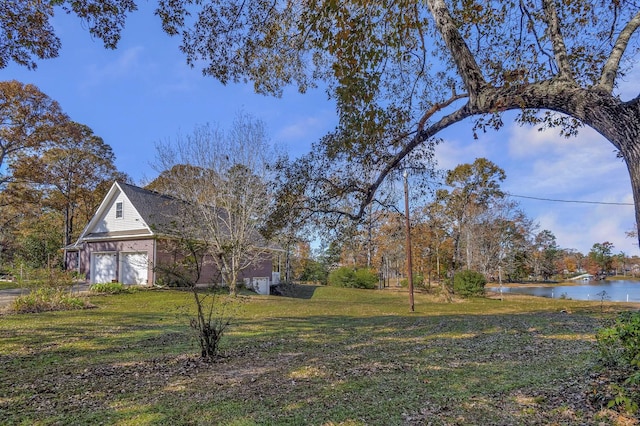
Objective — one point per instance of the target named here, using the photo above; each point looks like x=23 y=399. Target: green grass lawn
x=333 y=357
x=8 y=284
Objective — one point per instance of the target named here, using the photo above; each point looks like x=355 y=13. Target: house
x=131 y=232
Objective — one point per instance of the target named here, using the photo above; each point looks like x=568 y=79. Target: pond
x=614 y=291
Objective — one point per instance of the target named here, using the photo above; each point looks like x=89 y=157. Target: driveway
x=6 y=296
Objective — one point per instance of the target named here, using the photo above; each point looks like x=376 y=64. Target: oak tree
x=27 y=32
x=49 y=166
x=474 y=187
x=402 y=71
x=28 y=123
x=602 y=255
x=545 y=254
x=72 y=174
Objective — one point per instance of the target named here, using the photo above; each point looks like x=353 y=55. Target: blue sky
x=143 y=93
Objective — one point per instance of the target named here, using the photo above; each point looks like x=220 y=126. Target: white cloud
x=127 y=63
x=178 y=81
x=550 y=164
x=583 y=168
x=453 y=152
x=581 y=226
x=546 y=165
x=300 y=129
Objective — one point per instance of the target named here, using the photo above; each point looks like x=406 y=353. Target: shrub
x=42 y=277
x=215 y=314
x=50 y=290
x=314 y=271
x=48 y=299
x=619 y=347
x=418 y=281
x=342 y=277
x=366 y=278
x=111 y=288
x=469 y=283
x=348 y=277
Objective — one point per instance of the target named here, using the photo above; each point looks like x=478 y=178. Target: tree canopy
x=29 y=120
x=28 y=34
x=403 y=71
x=52 y=171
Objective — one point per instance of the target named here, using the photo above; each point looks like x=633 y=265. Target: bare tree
x=213 y=312
x=223 y=177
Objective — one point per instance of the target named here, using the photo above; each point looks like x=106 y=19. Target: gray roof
x=160 y=212
x=165 y=214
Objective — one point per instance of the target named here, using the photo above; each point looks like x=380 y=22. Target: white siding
x=130 y=218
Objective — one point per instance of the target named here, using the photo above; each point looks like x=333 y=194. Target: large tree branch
x=557 y=41
x=553 y=94
x=610 y=69
x=438 y=107
x=465 y=61
x=419 y=138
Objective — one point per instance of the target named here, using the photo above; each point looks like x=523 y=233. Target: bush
x=619 y=347
x=469 y=283
x=215 y=314
x=111 y=288
x=418 y=281
x=48 y=299
x=366 y=278
x=50 y=290
x=42 y=277
x=348 y=277
x=314 y=271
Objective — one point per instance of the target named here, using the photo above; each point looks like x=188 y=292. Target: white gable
x=127 y=219
x=116 y=214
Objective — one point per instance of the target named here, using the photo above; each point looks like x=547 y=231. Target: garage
x=103 y=267
x=134 y=268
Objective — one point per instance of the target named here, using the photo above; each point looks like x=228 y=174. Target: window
x=119 y=210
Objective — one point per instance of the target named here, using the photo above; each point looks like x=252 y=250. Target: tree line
x=54 y=172
x=471 y=225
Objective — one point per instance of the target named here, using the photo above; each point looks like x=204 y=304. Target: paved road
x=6 y=296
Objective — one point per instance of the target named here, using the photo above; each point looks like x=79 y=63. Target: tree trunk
x=632 y=158
x=593 y=105
x=619 y=122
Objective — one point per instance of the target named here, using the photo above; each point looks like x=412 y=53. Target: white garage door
x=103 y=268
x=134 y=268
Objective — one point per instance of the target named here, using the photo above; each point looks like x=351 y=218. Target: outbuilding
x=128 y=237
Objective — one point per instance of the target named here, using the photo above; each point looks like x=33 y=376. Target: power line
x=569 y=201
x=560 y=201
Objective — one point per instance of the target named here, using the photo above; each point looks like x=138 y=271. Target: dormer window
x=119 y=210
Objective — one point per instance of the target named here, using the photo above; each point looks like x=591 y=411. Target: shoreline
x=565 y=283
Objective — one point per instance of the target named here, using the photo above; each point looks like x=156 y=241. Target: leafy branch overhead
x=401 y=72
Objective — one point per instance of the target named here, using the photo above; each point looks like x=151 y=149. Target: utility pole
x=408 y=233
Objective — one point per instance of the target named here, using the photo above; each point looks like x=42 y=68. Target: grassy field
x=8 y=284
x=327 y=357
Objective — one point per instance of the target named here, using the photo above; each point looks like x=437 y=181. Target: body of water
x=613 y=291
